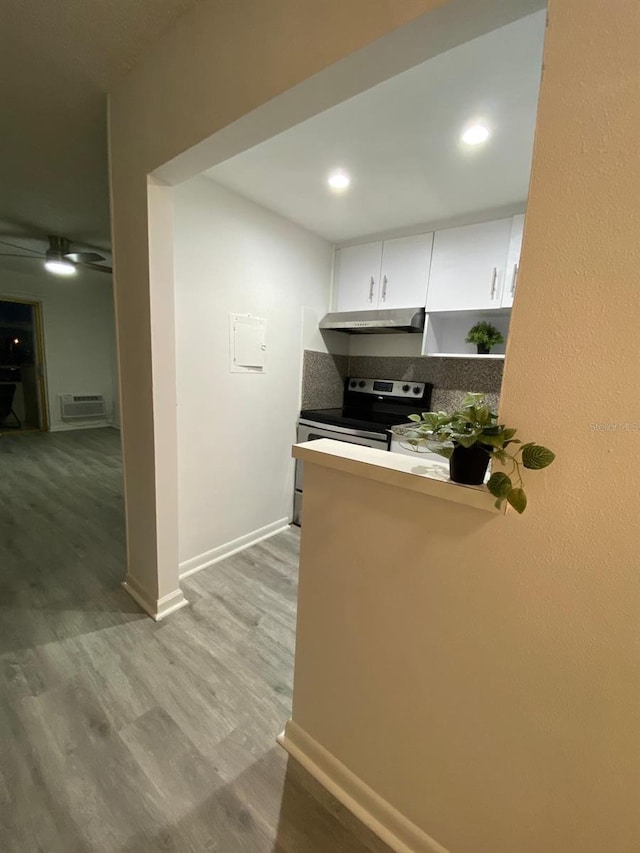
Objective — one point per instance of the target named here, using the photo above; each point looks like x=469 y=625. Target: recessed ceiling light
x=476 y=134
x=339 y=181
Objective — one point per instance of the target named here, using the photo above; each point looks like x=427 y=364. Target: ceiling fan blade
x=22 y=248
x=98 y=267
x=26 y=257
x=84 y=257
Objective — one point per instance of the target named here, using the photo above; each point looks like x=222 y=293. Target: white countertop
x=406 y=472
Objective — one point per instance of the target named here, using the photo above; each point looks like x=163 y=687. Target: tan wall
x=515 y=718
x=482 y=673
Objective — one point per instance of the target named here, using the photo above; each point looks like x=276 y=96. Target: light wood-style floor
x=119 y=734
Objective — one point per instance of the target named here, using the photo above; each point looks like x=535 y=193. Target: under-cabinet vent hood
x=375 y=322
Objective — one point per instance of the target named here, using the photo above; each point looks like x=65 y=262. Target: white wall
x=79 y=334
x=235 y=430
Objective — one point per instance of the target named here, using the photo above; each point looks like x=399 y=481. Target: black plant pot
x=468 y=465
x=483 y=349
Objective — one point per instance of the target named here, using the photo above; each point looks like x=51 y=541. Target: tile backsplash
x=452 y=378
x=323 y=378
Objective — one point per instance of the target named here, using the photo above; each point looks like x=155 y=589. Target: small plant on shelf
x=470 y=437
x=485 y=336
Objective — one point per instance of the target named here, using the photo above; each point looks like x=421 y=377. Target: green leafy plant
x=475 y=424
x=484 y=335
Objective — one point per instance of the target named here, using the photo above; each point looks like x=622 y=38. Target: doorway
x=22 y=388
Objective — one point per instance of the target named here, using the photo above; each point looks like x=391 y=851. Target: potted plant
x=470 y=437
x=485 y=336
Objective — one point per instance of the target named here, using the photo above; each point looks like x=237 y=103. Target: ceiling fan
x=60 y=258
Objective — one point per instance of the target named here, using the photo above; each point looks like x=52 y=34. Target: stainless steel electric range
x=370 y=407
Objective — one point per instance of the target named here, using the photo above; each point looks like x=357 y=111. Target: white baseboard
x=156 y=608
x=203 y=561
x=69 y=427
x=380 y=816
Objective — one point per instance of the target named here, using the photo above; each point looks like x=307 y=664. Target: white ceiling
x=400 y=143
x=58 y=59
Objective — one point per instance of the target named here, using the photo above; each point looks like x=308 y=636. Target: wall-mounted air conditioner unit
x=82 y=407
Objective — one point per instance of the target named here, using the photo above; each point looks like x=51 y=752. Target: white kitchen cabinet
x=393 y=274
x=513 y=261
x=405 y=271
x=468 y=267
x=358 y=277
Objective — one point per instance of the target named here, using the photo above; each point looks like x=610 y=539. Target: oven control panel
x=387 y=387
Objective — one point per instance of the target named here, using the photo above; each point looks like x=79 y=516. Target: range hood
x=375 y=322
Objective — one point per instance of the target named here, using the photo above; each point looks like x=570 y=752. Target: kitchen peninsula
x=375 y=600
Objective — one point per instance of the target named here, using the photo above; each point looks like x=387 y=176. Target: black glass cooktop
x=374 y=405
x=374 y=422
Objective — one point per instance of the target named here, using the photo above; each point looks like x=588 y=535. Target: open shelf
x=445 y=333
x=498 y=355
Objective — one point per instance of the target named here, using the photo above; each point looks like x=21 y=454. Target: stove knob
x=353 y=383
x=406 y=388
x=362 y=383
x=416 y=389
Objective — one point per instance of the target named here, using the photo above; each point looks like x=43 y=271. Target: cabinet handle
x=372 y=285
x=384 y=289
x=514 y=279
x=494 y=279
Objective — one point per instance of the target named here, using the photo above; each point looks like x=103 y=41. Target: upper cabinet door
x=513 y=261
x=358 y=277
x=405 y=271
x=468 y=267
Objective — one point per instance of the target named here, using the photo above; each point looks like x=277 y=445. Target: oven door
x=308 y=431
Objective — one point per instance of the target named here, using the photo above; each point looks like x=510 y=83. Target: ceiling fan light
x=58 y=265
x=56 y=262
